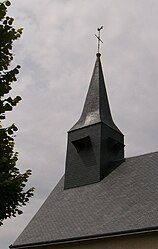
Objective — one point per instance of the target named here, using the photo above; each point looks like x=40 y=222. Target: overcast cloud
x=57 y=55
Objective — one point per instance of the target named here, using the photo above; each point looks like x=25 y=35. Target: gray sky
x=57 y=55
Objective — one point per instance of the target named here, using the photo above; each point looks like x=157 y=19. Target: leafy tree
x=13 y=193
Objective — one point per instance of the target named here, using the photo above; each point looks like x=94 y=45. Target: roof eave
x=87 y=238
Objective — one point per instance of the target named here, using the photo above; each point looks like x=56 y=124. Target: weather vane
x=98 y=37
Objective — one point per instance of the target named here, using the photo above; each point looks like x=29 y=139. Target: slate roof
x=126 y=200
x=96 y=108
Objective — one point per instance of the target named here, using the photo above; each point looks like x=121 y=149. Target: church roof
x=96 y=108
x=126 y=201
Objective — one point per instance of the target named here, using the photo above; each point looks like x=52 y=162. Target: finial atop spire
x=99 y=40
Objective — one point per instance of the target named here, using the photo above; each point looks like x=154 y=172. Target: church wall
x=143 y=241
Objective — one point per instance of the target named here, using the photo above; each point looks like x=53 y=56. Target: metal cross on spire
x=98 y=37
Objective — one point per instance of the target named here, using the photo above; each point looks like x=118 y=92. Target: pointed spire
x=96 y=108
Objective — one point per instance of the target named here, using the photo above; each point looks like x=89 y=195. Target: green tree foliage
x=13 y=193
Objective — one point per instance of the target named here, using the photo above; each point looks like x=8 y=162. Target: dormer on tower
x=95 y=144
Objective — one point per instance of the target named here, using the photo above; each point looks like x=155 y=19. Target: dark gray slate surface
x=94 y=142
x=96 y=108
x=127 y=199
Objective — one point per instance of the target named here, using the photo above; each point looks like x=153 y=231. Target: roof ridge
x=142 y=155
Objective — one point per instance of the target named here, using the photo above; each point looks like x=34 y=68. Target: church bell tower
x=95 y=144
